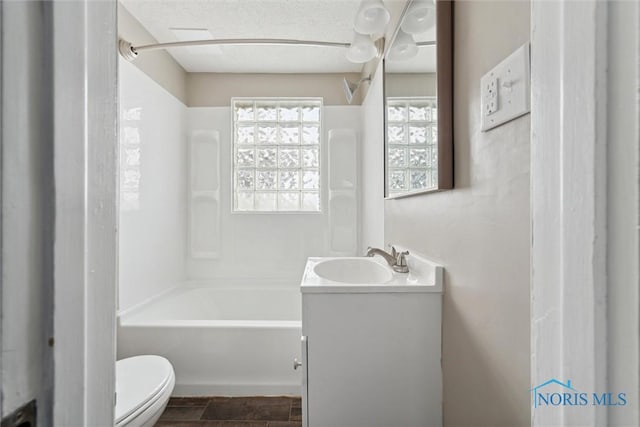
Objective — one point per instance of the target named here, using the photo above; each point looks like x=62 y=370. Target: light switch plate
x=505 y=90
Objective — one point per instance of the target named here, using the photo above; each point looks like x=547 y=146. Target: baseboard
x=237 y=390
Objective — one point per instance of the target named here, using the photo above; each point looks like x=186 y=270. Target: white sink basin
x=361 y=275
x=353 y=270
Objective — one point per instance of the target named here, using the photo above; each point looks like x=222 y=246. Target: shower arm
x=130 y=52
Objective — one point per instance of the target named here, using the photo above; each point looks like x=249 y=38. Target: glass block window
x=412 y=144
x=276 y=154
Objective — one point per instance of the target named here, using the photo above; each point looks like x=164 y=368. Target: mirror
x=418 y=92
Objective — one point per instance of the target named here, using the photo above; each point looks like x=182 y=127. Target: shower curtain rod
x=130 y=52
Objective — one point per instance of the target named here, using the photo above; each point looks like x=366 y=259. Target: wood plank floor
x=256 y=411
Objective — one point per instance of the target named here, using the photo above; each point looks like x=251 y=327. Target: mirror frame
x=444 y=98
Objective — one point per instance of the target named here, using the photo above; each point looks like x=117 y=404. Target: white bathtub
x=222 y=340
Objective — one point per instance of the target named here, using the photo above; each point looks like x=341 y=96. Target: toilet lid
x=138 y=380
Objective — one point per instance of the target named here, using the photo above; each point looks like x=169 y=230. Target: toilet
x=143 y=387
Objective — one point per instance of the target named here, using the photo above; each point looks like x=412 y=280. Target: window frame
x=299 y=101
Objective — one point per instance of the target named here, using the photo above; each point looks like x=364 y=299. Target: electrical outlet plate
x=505 y=90
x=491 y=95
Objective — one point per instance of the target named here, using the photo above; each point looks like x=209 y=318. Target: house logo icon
x=536 y=394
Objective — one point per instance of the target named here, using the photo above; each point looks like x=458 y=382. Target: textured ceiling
x=323 y=20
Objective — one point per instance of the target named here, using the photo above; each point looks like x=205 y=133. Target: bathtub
x=228 y=340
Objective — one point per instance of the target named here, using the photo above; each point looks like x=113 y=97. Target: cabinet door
x=373 y=359
x=305 y=359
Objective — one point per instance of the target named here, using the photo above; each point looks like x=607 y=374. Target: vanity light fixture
x=362 y=49
x=372 y=17
x=420 y=17
x=404 y=47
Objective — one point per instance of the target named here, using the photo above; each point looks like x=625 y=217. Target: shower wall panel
x=153 y=188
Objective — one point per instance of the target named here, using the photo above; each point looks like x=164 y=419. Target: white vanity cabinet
x=371 y=353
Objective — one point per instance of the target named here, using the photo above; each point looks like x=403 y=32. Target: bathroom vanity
x=371 y=343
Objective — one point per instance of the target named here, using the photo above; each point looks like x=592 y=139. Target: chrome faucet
x=397 y=260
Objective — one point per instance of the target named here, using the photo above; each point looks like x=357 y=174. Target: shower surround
x=216 y=292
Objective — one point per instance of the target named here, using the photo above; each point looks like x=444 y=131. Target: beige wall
x=480 y=232
x=158 y=65
x=216 y=89
x=410 y=84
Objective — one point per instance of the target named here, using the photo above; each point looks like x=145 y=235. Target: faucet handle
x=394 y=252
x=401 y=263
x=401 y=259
